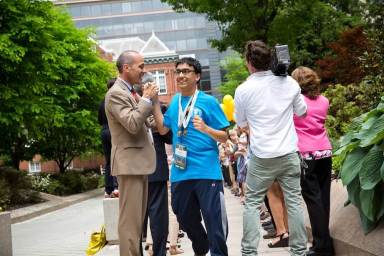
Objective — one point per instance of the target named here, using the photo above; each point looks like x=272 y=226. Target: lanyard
x=185 y=116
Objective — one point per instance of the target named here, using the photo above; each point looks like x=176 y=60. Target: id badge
x=180 y=156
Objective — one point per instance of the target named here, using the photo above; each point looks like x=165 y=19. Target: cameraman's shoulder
x=243 y=86
x=292 y=82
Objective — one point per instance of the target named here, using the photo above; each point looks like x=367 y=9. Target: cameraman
x=266 y=104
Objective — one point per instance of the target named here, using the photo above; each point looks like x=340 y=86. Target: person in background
x=110 y=181
x=316 y=151
x=158 y=193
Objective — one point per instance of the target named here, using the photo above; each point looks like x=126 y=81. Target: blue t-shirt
x=202 y=150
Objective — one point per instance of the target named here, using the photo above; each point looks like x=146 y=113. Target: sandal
x=282 y=242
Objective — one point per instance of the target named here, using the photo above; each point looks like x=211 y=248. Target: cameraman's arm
x=241 y=120
x=299 y=105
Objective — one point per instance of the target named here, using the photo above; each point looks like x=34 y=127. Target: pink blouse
x=310 y=130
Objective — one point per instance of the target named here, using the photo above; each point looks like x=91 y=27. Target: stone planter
x=5 y=234
x=346 y=229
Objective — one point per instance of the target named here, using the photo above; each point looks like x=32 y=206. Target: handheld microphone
x=147 y=78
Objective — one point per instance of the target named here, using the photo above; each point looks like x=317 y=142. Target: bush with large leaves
x=362 y=171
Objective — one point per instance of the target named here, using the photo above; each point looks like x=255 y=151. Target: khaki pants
x=133 y=205
x=262 y=172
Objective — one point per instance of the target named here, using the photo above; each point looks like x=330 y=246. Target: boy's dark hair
x=258 y=54
x=191 y=62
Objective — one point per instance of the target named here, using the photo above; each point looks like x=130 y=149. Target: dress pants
x=132 y=208
x=109 y=180
x=158 y=216
x=316 y=187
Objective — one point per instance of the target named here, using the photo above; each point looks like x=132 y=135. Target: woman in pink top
x=316 y=150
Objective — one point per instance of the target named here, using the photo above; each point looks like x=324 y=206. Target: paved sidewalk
x=66 y=232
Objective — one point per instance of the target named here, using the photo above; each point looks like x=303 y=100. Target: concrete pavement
x=235 y=220
x=66 y=232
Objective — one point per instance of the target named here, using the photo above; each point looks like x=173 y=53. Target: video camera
x=280 y=60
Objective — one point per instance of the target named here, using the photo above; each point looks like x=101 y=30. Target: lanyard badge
x=185 y=116
x=180 y=155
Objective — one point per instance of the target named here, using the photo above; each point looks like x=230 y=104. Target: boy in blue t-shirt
x=197 y=122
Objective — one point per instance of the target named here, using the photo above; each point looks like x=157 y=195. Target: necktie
x=135 y=95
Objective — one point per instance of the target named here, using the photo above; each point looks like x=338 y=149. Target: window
x=181 y=45
x=75 y=11
x=34 y=167
x=205 y=81
x=85 y=11
x=106 y=9
x=127 y=7
x=116 y=8
x=160 y=81
x=70 y=165
x=96 y=10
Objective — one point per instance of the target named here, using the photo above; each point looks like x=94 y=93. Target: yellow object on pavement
x=98 y=240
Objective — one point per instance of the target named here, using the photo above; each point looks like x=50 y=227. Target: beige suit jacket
x=133 y=152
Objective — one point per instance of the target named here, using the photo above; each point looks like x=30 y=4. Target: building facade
x=184 y=33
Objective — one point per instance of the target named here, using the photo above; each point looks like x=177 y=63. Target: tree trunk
x=15 y=158
x=61 y=164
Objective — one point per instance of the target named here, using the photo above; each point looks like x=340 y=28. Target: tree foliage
x=239 y=21
x=236 y=73
x=307 y=27
x=52 y=81
x=344 y=64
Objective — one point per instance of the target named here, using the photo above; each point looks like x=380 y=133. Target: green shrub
x=56 y=188
x=362 y=165
x=90 y=182
x=41 y=182
x=101 y=182
x=5 y=196
x=68 y=183
x=16 y=188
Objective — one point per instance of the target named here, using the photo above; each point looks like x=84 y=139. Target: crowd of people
x=276 y=154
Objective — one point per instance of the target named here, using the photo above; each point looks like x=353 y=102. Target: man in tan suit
x=133 y=155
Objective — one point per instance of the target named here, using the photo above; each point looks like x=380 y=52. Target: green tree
x=307 y=27
x=51 y=78
x=239 y=21
x=236 y=73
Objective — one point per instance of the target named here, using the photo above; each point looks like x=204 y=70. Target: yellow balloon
x=229 y=115
x=223 y=107
x=227 y=99
x=231 y=105
x=226 y=111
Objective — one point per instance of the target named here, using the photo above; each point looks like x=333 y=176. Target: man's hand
x=150 y=91
x=199 y=124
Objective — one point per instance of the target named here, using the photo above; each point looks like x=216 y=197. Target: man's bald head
x=126 y=57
